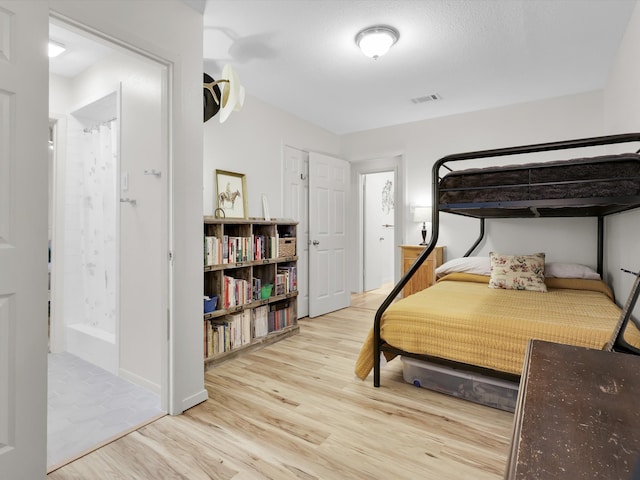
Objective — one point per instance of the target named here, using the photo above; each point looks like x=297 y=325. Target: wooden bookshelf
x=242 y=258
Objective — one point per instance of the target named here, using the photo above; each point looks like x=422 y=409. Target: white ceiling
x=81 y=51
x=300 y=55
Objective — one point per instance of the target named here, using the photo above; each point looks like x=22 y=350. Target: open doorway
x=108 y=231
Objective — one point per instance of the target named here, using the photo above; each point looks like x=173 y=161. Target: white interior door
x=393 y=165
x=296 y=207
x=23 y=238
x=328 y=194
x=378 y=206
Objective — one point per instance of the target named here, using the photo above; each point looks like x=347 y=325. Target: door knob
x=316 y=242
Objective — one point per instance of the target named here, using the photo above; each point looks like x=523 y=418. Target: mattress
x=608 y=176
x=461 y=319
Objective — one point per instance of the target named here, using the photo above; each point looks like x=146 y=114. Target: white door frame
x=295 y=205
x=392 y=163
x=167 y=201
x=56 y=303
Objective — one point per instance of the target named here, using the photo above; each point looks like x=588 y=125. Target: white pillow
x=477 y=265
x=569 y=270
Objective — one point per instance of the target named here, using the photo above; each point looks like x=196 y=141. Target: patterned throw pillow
x=517 y=272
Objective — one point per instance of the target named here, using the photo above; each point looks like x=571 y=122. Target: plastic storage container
x=493 y=392
x=265 y=291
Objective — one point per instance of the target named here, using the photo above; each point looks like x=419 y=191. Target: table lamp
x=422 y=215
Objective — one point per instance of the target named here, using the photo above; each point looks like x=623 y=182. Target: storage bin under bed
x=492 y=392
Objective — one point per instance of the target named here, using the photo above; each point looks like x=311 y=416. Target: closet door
x=328 y=197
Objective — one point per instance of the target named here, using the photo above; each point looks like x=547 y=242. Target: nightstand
x=426 y=275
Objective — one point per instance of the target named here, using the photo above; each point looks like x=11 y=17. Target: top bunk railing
x=539 y=189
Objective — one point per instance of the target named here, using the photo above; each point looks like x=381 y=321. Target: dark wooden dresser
x=577 y=416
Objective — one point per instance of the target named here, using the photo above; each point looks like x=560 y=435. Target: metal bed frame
x=599 y=208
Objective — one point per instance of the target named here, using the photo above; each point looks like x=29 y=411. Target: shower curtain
x=99 y=226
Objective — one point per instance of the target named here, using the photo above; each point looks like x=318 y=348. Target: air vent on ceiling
x=426 y=98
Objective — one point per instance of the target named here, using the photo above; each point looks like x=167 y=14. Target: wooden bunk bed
x=584 y=187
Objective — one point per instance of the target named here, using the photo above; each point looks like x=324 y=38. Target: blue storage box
x=210 y=305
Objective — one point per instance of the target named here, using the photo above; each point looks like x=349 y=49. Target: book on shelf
x=212 y=250
x=246 y=327
x=257 y=287
x=235 y=330
x=260 y=321
x=260 y=247
x=225 y=249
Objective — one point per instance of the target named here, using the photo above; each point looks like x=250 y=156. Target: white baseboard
x=138 y=380
x=194 y=400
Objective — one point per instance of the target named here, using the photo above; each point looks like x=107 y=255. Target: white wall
x=173 y=32
x=622 y=115
x=251 y=142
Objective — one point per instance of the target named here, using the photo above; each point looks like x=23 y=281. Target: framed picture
x=231 y=194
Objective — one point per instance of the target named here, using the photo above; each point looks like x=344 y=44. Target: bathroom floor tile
x=87 y=406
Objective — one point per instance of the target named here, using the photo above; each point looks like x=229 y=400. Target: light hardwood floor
x=295 y=410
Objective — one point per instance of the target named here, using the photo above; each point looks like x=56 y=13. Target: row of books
x=281 y=315
x=232 y=331
x=286 y=279
x=228 y=333
x=231 y=249
x=237 y=291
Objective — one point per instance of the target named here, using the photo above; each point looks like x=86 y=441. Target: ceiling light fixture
x=55 y=49
x=377 y=40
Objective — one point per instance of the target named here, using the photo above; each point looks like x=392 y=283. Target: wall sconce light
x=377 y=40
x=422 y=215
x=55 y=49
x=225 y=100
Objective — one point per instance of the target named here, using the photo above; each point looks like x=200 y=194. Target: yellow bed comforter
x=461 y=319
